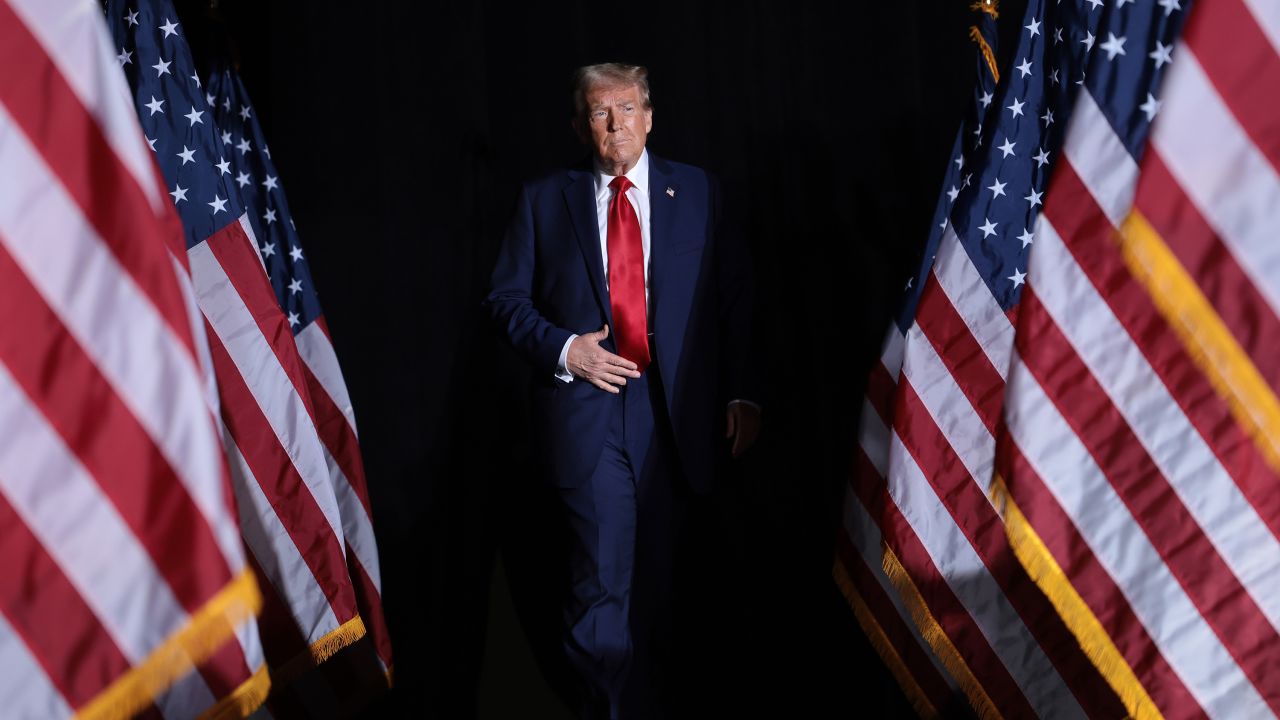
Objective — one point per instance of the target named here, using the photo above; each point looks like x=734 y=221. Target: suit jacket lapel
x=661 y=224
x=665 y=280
x=580 y=197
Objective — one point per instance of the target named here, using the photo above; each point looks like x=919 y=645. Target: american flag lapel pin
x=671 y=193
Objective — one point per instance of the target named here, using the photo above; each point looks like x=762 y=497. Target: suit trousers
x=618 y=610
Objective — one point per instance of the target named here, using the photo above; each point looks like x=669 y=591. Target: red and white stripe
x=336 y=423
x=927 y=450
x=318 y=385
x=113 y=491
x=290 y=512
x=1157 y=505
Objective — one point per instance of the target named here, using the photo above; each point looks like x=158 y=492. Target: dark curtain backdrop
x=402 y=132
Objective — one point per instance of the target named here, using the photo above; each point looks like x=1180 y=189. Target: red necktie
x=626 y=277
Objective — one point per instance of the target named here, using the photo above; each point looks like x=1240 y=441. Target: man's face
x=616 y=126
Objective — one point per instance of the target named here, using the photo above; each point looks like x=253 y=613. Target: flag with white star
x=242 y=138
x=922 y=544
x=1074 y=435
x=126 y=590
x=1139 y=444
x=177 y=122
x=985 y=37
x=291 y=512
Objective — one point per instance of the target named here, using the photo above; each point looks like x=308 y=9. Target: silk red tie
x=626 y=277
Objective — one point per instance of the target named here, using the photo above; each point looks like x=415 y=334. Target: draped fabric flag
x=290 y=512
x=1141 y=464
x=923 y=555
x=262 y=191
x=123 y=566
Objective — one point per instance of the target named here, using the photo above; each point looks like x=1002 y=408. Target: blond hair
x=609 y=75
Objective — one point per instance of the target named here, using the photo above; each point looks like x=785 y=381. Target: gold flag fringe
x=243 y=700
x=884 y=648
x=320 y=650
x=1048 y=575
x=1207 y=340
x=208 y=629
x=990 y=7
x=976 y=35
x=342 y=636
x=937 y=638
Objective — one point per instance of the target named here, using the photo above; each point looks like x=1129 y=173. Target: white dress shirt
x=638 y=195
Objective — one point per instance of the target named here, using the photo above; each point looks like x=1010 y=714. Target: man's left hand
x=742 y=424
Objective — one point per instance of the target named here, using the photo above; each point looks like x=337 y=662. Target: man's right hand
x=590 y=362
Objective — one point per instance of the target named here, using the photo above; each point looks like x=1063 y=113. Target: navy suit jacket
x=549 y=283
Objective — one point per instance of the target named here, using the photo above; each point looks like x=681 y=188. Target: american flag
x=1141 y=461
x=262 y=192
x=290 y=510
x=123 y=564
x=923 y=555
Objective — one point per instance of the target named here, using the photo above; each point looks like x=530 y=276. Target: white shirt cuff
x=562 y=365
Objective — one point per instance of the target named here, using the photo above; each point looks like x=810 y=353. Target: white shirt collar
x=638 y=175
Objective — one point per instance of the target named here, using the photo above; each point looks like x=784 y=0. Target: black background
x=402 y=132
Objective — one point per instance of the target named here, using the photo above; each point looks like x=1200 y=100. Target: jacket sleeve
x=510 y=300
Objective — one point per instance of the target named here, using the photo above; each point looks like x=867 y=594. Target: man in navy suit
x=615 y=283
